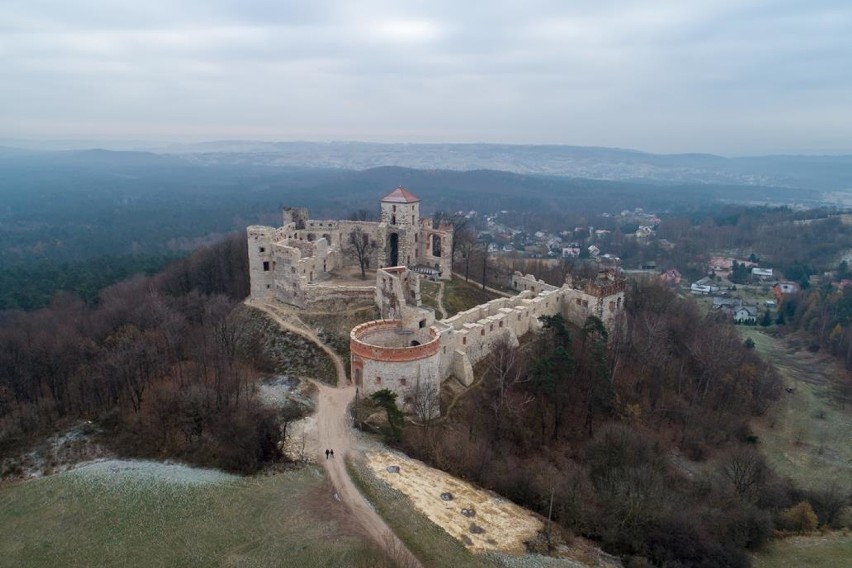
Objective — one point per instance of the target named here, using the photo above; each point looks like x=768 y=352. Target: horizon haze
x=726 y=78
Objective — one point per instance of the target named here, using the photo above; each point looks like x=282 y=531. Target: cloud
x=731 y=77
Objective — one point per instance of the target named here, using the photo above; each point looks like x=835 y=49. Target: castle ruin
x=295 y=262
x=407 y=350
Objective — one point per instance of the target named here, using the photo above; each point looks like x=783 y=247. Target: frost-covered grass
x=129 y=513
x=141 y=475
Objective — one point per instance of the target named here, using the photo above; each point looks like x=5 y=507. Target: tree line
x=163 y=365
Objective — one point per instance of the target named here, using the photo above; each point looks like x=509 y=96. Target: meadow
x=134 y=513
x=805 y=437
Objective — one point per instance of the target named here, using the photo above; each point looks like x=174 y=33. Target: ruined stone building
x=407 y=350
x=295 y=263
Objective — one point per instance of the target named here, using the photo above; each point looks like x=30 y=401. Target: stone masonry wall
x=261 y=260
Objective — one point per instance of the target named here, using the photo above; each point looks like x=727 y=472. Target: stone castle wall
x=528 y=282
x=470 y=336
x=602 y=298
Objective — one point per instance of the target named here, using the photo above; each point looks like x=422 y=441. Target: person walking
x=326 y=454
x=331 y=452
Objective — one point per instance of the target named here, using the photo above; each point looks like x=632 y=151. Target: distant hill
x=823 y=173
x=67 y=206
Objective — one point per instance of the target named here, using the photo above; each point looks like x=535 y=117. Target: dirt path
x=335 y=433
x=278 y=315
x=439 y=299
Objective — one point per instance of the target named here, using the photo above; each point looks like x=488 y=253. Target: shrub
x=829 y=502
x=799 y=518
x=681 y=541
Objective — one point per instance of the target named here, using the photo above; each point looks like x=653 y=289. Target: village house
x=704 y=286
x=671 y=277
x=746 y=315
x=782 y=289
x=571 y=251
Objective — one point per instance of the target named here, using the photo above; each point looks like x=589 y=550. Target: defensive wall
x=468 y=337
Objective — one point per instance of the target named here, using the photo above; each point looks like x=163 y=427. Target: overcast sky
x=730 y=77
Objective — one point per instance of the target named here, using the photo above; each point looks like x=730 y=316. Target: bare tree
x=362 y=247
x=460 y=224
x=466 y=242
x=425 y=401
x=506 y=370
x=746 y=469
x=484 y=245
x=288 y=415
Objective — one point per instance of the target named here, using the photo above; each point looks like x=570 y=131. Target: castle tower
x=401 y=214
x=261 y=261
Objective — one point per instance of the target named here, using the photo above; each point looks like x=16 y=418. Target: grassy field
x=830 y=551
x=460 y=296
x=429 y=294
x=806 y=435
x=152 y=515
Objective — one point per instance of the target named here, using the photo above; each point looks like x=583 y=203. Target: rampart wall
x=528 y=282
x=470 y=336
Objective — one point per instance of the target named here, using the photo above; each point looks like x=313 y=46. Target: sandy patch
x=495 y=523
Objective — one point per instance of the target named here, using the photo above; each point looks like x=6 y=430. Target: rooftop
x=400 y=195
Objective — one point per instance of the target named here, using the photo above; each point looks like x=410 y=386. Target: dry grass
x=429 y=293
x=426 y=540
x=501 y=525
x=460 y=296
x=833 y=550
x=805 y=436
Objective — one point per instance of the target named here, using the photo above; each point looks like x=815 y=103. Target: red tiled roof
x=400 y=195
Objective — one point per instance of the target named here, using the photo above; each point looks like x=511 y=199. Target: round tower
x=386 y=355
x=401 y=214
